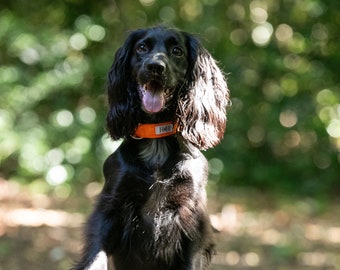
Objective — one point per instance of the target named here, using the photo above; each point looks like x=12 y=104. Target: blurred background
x=274 y=180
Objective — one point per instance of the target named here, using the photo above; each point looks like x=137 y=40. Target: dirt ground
x=256 y=231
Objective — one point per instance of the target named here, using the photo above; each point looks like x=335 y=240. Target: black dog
x=167 y=99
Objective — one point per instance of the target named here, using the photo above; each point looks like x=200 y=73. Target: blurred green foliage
x=281 y=56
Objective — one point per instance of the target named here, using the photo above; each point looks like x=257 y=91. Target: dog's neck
x=154 y=149
x=154 y=152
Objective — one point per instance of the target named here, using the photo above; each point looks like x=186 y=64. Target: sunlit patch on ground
x=40 y=217
x=270 y=238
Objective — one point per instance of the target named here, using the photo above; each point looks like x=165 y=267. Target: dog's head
x=162 y=74
x=159 y=63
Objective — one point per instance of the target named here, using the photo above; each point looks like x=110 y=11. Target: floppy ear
x=122 y=117
x=202 y=105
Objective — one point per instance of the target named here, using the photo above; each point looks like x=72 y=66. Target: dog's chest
x=154 y=152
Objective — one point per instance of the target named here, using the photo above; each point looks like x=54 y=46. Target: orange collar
x=154 y=131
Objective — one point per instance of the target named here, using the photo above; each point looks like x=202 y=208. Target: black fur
x=151 y=213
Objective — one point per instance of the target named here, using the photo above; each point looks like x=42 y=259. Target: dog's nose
x=156 y=66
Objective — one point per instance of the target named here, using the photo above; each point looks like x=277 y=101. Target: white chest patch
x=155 y=152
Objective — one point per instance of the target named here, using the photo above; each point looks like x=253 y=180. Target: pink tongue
x=153 y=102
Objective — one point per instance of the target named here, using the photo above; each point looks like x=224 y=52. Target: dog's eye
x=176 y=51
x=142 y=48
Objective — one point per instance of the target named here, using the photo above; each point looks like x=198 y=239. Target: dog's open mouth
x=152 y=94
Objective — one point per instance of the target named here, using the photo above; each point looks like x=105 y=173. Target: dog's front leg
x=94 y=257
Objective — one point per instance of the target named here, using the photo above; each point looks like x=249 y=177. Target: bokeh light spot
x=78 y=41
x=96 y=32
x=232 y=258
x=147 y=2
x=54 y=156
x=292 y=139
x=64 y=118
x=56 y=175
x=261 y=34
x=216 y=166
x=30 y=56
x=252 y=259
x=259 y=15
x=108 y=145
x=326 y=97
x=167 y=14
x=87 y=115
x=289 y=86
x=284 y=32
x=236 y=12
x=8 y=74
x=238 y=37
x=333 y=128
x=288 y=118
x=256 y=134
x=63 y=191
x=83 y=144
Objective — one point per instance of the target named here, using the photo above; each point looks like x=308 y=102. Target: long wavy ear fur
x=202 y=103
x=124 y=103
